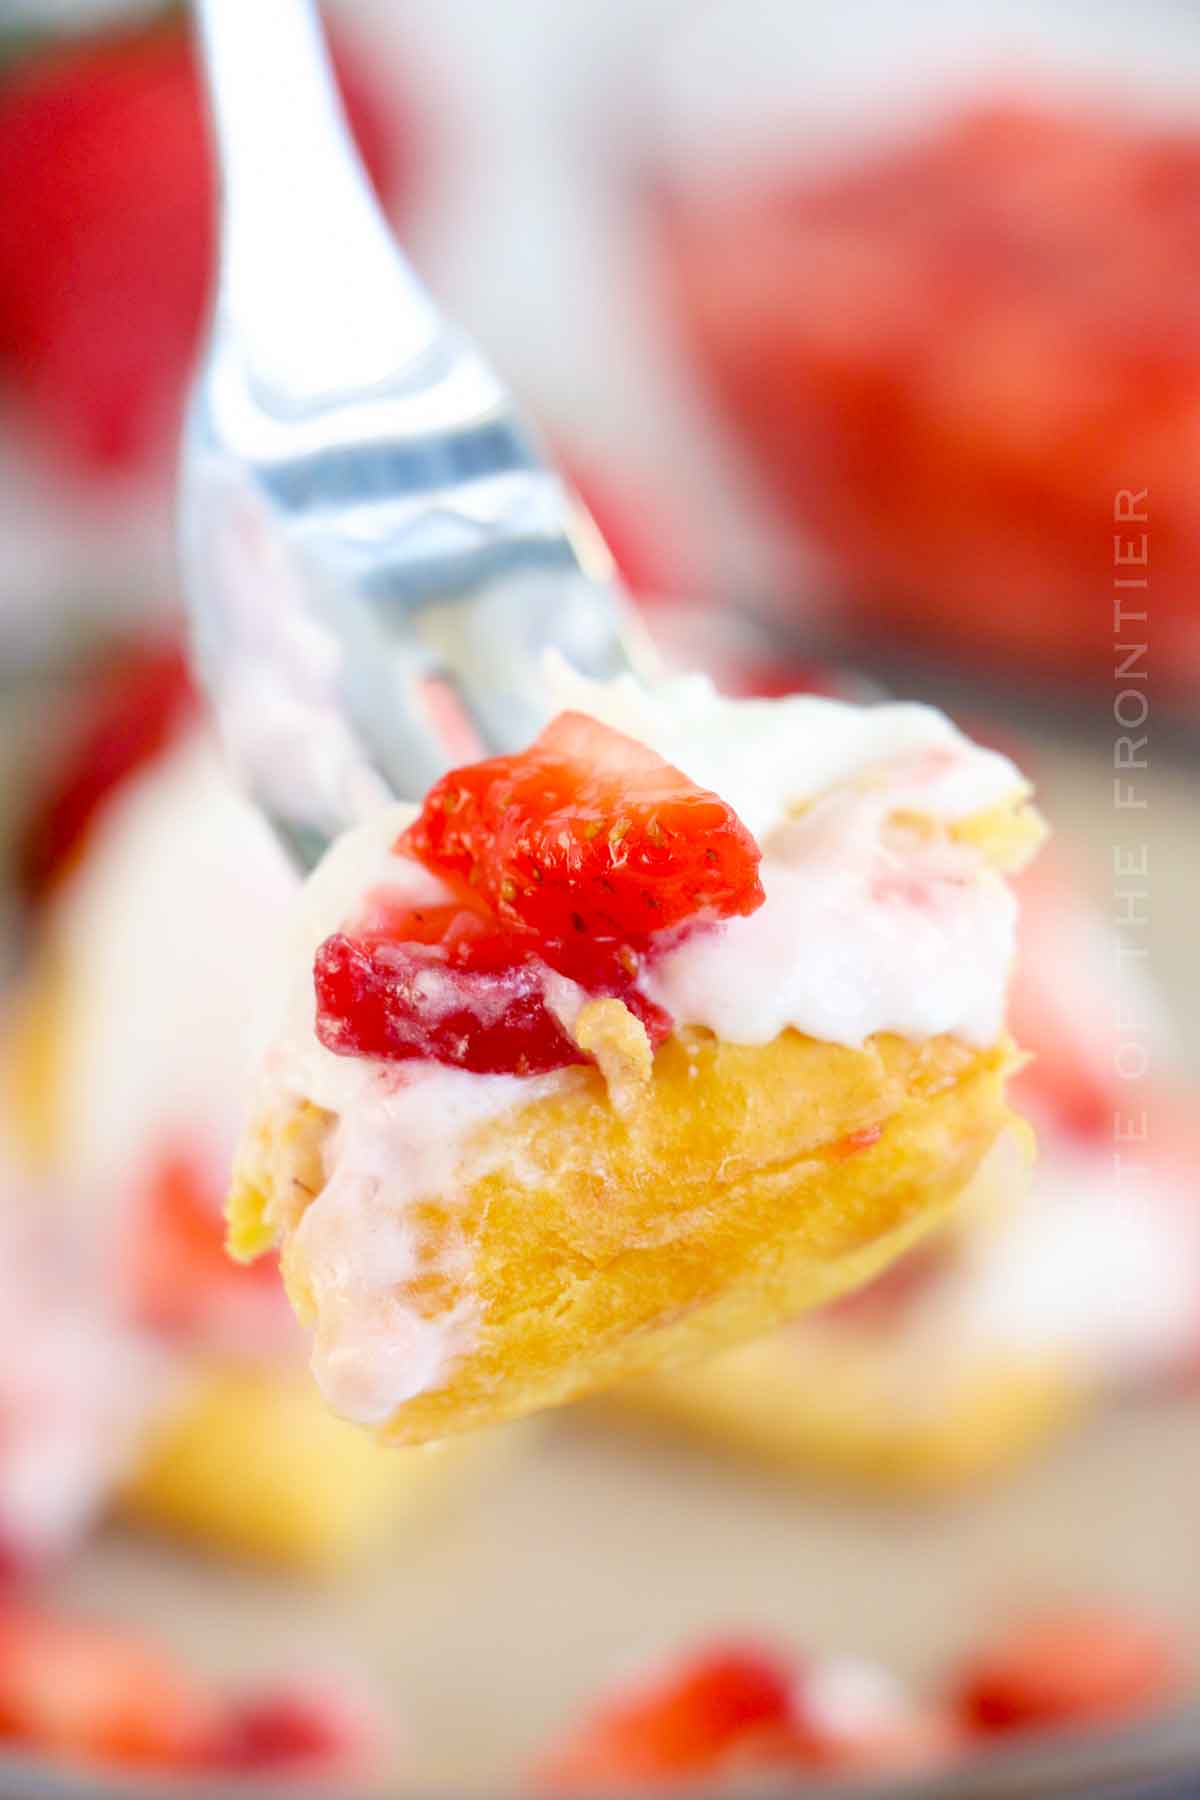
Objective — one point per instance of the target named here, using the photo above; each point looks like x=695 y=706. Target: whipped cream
x=868 y=925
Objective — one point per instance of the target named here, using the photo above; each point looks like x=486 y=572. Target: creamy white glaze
x=867 y=926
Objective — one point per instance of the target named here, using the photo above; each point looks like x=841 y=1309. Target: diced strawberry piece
x=404 y=1001
x=96 y=1694
x=300 y=1731
x=182 y=1279
x=129 y=718
x=567 y=860
x=106 y=234
x=587 y=833
x=450 y=988
x=682 y=1724
x=1078 y=1669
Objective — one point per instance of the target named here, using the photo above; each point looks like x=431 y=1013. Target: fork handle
x=311 y=281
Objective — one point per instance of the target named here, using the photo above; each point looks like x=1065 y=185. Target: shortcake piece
x=247 y=1460
x=166 y=1378
x=627 y=1046
x=928 y=1378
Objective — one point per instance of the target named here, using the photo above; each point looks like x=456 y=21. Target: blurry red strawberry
x=1084 y=1668
x=301 y=1731
x=182 y=1280
x=681 y=1724
x=125 y=718
x=93 y=1693
x=738 y=1710
x=107 y=232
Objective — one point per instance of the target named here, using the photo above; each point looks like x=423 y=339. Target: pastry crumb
x=609 y=1032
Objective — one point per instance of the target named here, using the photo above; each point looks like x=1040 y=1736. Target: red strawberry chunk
x=95 y=1694
x=1078 y=1669
x=404 y=1001
x=685 y=1723
x=587 y=833
x=444 y=985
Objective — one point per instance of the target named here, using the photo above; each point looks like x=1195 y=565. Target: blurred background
x=871 y=335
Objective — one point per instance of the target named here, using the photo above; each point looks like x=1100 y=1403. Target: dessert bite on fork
x=631 y=1044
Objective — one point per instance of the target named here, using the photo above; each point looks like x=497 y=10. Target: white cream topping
x=867 y=926
x=399 y=1142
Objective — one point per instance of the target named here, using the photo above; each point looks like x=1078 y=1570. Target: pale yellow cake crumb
x=620 y=1046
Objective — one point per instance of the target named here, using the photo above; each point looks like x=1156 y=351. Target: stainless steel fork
x=376 y=556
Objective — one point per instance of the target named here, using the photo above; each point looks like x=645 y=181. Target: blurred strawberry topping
x=106 y=244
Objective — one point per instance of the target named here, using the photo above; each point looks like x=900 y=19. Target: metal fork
x=376 y=556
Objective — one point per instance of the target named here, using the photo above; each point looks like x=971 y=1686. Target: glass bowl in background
x=934 y=272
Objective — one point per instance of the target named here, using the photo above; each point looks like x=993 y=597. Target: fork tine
x=376 y=554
